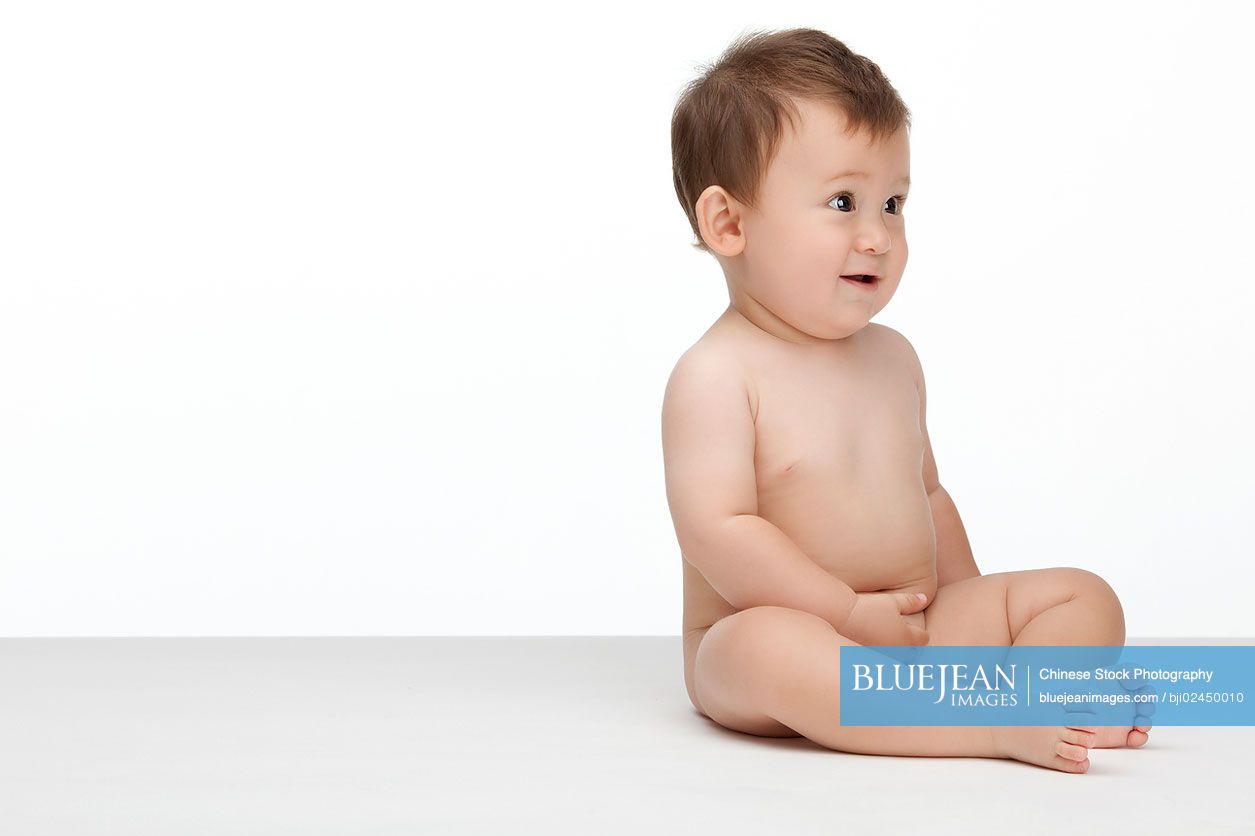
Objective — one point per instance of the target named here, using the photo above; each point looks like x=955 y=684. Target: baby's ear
x=719 y=219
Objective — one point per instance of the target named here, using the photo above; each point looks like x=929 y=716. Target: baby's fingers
x=919 y=635
x=910 y=602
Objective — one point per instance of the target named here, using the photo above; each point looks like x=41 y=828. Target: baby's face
x=813 y=226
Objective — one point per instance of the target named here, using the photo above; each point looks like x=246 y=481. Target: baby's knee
x=1086 y=582
x=766 y=636
x=1096 y=590
x=746 y=658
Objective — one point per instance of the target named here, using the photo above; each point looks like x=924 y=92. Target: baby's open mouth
x=863 y=279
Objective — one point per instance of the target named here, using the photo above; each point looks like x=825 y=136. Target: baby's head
x=766 y=148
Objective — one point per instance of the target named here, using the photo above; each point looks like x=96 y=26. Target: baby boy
x=799 y=471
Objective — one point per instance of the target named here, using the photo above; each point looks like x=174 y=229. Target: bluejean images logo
x=1048 y=685
x=976 y=688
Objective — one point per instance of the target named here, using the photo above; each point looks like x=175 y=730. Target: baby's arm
x=954 y=553
x=708 y=452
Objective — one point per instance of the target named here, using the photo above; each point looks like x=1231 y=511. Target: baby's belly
x=871 y=529
x=875 y=537
x=874 y=533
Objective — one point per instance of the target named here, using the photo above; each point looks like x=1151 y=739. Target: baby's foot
x=1065 y=748
x=1136 y=734
x=1114 y=737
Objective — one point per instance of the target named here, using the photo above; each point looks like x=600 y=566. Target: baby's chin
x=836 y=327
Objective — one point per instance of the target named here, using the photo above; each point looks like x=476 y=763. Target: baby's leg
x=766 y=668
x=1062 y=606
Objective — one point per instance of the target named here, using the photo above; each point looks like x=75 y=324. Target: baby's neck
x=746 y=313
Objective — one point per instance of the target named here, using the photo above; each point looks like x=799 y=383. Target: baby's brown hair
x=728 y=122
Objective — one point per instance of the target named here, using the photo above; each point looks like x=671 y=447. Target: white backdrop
x=337 y=319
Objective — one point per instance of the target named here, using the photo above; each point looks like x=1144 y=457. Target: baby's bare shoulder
x=887 y=337
x=715 y=357
x=895 y=346
x=726 y=345
x=713 y=368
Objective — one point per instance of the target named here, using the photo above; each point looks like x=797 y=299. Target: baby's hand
x=876 y=619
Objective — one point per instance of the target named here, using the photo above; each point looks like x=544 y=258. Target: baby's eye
x=898 y=201
x=847 y=197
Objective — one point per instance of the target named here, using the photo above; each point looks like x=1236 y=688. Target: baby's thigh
x=971 y=611
x=993 y=609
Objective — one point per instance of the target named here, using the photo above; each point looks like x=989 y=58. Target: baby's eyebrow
x=903 y=179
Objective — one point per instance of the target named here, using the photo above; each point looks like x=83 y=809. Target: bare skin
x=803 y=487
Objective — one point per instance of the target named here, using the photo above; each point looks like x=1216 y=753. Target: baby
x=799 y=472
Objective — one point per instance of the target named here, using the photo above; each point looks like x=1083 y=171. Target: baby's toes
x=1075 y=742
x=1111 y=737
x=1064 y=764
x=1118 y=737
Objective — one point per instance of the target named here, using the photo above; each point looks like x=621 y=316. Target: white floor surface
x=588 y=735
